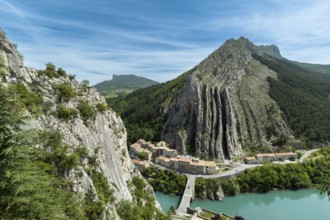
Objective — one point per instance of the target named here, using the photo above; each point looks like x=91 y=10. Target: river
x=275 y=205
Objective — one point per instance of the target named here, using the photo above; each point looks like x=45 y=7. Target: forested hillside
x=144 y=111
x=304 y=97
x=320 y=68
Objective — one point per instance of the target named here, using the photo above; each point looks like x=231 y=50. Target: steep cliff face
x=224 y=104
x=103 y=133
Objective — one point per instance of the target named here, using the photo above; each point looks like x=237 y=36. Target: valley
x=244 y=120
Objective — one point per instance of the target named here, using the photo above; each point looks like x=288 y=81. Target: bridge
x=188 y=195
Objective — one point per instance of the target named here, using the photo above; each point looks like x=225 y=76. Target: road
x=306 y=154
x=188 y=194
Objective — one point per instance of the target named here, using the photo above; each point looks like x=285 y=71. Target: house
x=266 y=157
x=141 y=165
x=137 y=149
x=167 y=152
x=188 y=165
x=204 y=167
x=286 y=156
x=161 y=144
x=184 y=164
x=251 y=160
x=164 y=161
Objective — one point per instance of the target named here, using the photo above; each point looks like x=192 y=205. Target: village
x=144 y=154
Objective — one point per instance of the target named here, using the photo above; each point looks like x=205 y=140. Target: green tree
x=27 y=188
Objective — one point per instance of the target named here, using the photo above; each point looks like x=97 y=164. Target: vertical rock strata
x=224 y=104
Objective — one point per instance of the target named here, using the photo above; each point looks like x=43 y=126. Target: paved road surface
x=306 y=154
x=188 y=194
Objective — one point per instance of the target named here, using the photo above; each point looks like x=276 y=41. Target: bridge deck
x=189 y=193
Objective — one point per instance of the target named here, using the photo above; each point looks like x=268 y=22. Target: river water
x=275 y=205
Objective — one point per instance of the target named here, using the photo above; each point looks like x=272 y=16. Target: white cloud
x=164 y=47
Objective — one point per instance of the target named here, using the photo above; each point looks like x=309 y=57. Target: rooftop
x=286 y=154
x=266 y=155
x=135 y=161
x=164 y=159
x=250 y=158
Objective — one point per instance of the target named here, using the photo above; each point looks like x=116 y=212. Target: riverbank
x=303 y=205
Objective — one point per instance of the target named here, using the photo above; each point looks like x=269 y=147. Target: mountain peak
x=243 y=43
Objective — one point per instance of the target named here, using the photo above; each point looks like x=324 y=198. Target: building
x=164 y=161
x=204 y=167
x=251 y=160
x=184 y=164
x=141 y=165
x=167 y=152
x=137 y=149
x=161 y=144
x=266 y=157
x=286 y=156
x=188 y=165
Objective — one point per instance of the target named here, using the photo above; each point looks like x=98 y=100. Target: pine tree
x=28 y=189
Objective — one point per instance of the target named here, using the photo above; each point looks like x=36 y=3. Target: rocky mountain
x=229 y=101
x=122 y=85
x=55 y=103
x=224 y=104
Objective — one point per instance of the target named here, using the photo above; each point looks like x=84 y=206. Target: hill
x=321 y=68
x=122 y=85
x=240 y=96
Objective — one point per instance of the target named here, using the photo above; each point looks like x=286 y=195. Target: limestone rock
x=224 y=104
x=104 y=135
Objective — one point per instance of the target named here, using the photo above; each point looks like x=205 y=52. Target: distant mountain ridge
x=123 y=84
x=321 y=68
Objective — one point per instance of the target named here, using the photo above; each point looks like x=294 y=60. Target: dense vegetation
x=206 y=188
x=303 y=96
x=26 y=99
x=320 y=68
x=314 y=173
x=144 y=111
x=29 y=187
x=144 y=207
x=123 y=84
x=165 y=181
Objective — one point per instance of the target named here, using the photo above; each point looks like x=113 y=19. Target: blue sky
x=158 y=39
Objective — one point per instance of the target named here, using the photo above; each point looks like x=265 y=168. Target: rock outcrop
x=224 y=104
x=103 y=135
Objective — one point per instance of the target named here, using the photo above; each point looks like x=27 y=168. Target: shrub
x=71 y=76
x=50 y=67
x=50 y=71
x=2 y=66
x=61 y=72
x=86 y=111
x=101 y=107
x=66 y=113
x=142 y=156
x=26 y=98
x=102 y=187
x=66 y=92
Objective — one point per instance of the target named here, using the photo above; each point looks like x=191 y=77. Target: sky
x=158 y=39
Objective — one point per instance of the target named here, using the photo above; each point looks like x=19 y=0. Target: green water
x=276 y=205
